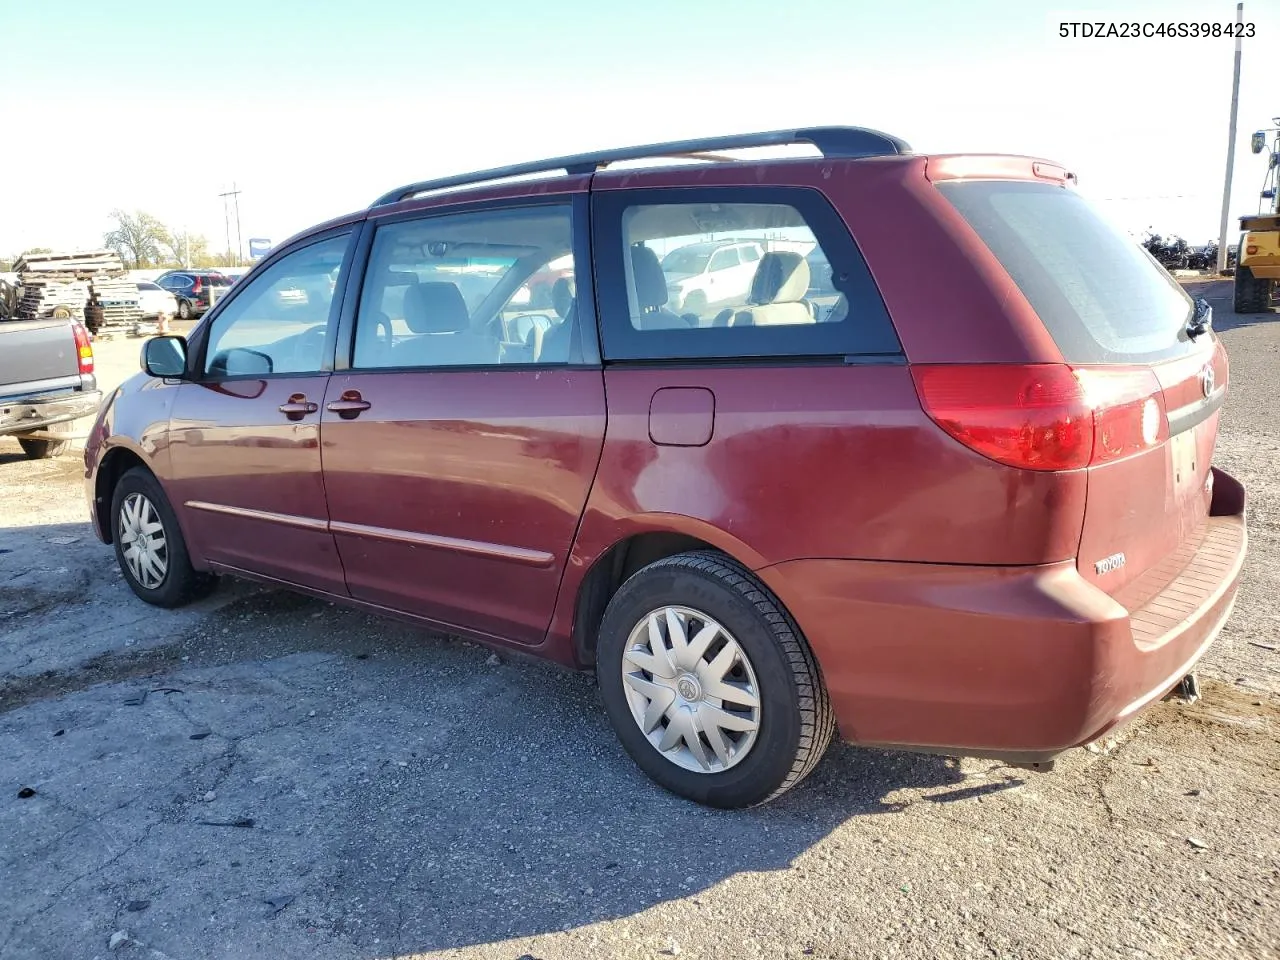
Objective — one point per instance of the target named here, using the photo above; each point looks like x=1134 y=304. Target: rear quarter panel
x=830 y=461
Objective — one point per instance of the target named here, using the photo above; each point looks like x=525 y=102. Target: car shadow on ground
x=517 y=812
x=448 y=797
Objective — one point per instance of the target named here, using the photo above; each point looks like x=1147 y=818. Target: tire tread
x=1251 y=294
x=817 y=720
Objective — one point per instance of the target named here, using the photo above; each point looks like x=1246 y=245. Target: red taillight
x=84 y=348
x=197 y=287
x=1045 y=416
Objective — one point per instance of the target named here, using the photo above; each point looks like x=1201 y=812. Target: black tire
x=796 y=722
x=181 y=583
x=184 y=309
x=1251 y=294
x=43 y=449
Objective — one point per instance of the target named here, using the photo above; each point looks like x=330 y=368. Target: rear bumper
x=1015 y=663
x=34 y=413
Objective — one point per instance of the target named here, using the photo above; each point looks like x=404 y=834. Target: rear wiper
x=1202 y=320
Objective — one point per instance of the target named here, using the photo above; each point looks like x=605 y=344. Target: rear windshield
x=1099 y=293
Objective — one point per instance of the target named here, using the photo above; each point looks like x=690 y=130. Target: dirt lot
x=267 y=775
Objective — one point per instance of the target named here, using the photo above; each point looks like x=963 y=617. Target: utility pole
x=226 y=216
x=1231 y=147
x=239 y=244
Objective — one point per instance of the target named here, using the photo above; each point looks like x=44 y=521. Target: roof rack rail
x=843 y=142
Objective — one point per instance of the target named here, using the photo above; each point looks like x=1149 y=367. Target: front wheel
x=149 y=547
x=709 y=684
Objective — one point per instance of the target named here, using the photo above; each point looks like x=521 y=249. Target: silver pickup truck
x=46 y=383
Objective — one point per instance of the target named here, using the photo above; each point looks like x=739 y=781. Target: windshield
x=685 y=260
x=1101 y=296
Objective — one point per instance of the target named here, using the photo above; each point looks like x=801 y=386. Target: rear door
x=457 y=462
x=1120 y=319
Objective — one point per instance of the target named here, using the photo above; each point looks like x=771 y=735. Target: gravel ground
x=268 y=775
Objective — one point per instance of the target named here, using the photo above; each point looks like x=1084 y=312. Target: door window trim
x=198 y=343
x=587 y=337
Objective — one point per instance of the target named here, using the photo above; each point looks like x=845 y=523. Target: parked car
x=47 y=382
x=985 y=524
x=193 y=289
x=154 y=300
x=702 y=276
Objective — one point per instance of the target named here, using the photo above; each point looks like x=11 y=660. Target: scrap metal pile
x=76 y=285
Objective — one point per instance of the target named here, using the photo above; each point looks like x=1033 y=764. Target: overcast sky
x=315 y=108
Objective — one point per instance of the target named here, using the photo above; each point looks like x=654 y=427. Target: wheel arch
x=648 y=540
x=115 y=464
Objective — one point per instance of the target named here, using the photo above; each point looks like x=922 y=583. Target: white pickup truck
x=47 y=382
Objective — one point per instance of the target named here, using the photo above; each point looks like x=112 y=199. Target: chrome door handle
x=297 y=407
x=349 y=406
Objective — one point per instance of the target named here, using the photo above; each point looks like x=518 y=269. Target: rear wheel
x=43 y=449
x=149 y=547
x=1252 y=295
x=709 y=684
x=184 y=309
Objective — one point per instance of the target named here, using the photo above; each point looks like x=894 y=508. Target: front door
x=245 y=433
x=457 y=463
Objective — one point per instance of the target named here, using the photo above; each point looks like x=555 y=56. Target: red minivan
x=956 y=498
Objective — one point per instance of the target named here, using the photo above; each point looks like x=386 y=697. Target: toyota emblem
x=1206 y=379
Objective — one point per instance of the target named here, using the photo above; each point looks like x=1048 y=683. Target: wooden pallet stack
x=119 y=299
x=54 y=284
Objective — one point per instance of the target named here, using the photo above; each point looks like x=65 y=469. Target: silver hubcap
x=142 y=541
x=691 y=689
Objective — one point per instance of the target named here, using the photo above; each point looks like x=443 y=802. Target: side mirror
x=241 y=362
x=1258 y=142
x=165 y=357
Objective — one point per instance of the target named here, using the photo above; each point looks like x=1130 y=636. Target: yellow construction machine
x=1258 y=269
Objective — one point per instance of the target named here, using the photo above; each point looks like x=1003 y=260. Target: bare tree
x=184 y=248
x=136 y=238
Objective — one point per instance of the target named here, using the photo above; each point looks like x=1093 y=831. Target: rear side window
x=672 y=288
x=1101 y=296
